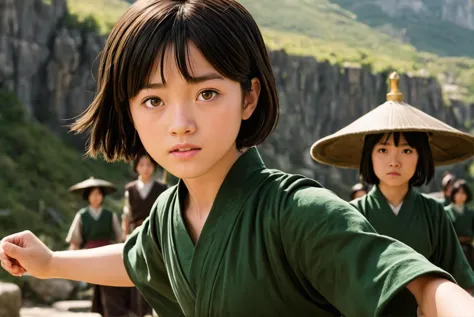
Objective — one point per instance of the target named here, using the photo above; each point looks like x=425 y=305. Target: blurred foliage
x=100 y=15
x=37 y=168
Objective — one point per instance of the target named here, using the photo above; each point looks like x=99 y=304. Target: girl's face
x=460 y=197
x=189 y=128
x=95 y=198
x=394 y=165
x=145 y=167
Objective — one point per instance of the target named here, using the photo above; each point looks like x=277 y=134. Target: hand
x=24 y=252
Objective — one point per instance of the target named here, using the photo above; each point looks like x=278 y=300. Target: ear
x=251 y=99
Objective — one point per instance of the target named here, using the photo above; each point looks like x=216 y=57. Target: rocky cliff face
x=51 y=65
x=318 y=99
x=460 y=12
x=45 y=62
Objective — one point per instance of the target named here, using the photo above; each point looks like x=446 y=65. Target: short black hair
x=458 y=185
x=419 y=140
x=89 y=190
x=223 y=31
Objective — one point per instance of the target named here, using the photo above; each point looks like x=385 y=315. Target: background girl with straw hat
x=140 y=195
x=395 y=146
x=92 y=227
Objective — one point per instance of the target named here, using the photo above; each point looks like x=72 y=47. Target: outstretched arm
x=24 y=252
x=440 y=297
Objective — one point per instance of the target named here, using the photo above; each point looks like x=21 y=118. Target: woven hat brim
x=79 y=188
x=344 y=148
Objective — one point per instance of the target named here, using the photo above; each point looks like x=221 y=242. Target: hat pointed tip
x=394 y=75
x=394 y=94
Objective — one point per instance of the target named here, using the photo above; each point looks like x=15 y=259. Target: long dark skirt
x=111 y=301
x=469 y=253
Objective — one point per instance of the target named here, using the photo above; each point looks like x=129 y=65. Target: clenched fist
x=24 y=252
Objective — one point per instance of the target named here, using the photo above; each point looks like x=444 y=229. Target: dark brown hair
x=458 y=185
x=139 y=157
x=87 y=192
x=223 y=31
x=419 y=140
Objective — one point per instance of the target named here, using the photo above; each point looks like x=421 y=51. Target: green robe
x=463 y=224
x=274 y=245
x=423 y=225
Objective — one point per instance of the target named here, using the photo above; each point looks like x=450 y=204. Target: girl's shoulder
x=432 y=202
x=131 y=184
x=470 y=211
x=300 y=196
x=82 y=211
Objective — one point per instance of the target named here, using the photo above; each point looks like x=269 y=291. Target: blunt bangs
x=223 y=31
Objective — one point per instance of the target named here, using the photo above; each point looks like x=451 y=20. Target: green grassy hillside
x=338 y=31
x=423 y=30
x=37 y=169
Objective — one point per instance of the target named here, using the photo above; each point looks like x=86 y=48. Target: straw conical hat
x=92 y=182
x=344 y=148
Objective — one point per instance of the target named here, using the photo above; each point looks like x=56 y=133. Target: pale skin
x=207 y=115
x=460 y=197
x=394 y=166
x=145 y=170
x=95 y=201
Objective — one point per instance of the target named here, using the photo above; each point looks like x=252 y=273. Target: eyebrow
x=193 y=80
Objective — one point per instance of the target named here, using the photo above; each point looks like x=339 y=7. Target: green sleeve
x=144 y=264
x=331 y=245
x=448 y=253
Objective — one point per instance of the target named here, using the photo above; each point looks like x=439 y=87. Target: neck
x=94 y=207
x=394 y=194
x=145 y=180
x=202 y=190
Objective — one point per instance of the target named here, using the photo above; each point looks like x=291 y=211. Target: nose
x=394 y=160
x=181 y=121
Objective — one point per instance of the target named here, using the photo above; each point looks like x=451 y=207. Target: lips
x=184 y=148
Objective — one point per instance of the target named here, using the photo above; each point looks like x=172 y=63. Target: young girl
x=396 y=157
x=444 y=196
x=191 y=82
x=95 y=227
x=140 y=195
x=462 y=217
